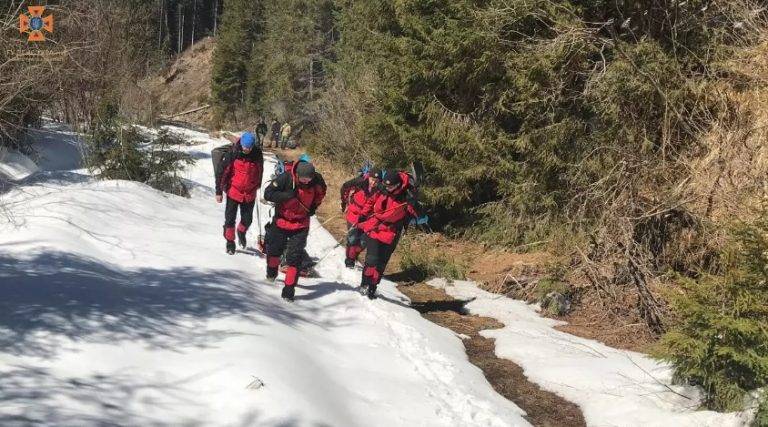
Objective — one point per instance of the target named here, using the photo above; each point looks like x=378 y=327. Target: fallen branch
x=187 y=112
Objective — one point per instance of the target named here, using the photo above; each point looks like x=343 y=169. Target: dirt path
x=543 y=408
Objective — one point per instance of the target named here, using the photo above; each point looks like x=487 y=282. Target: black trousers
x=246 y=213
x=378 y=253
x=292 y=243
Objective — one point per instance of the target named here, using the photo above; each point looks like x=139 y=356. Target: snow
x=612 y=387
x=119 y=306
x=56 y=149
x=15 y=166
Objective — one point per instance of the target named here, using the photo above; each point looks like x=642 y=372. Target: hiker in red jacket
x=355 y=195
x=387 y=213
x=239 y=175
x=296 y=193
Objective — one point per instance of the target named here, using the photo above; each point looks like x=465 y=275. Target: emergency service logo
x=34 y=23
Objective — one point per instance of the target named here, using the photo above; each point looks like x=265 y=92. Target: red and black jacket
x=240 y=174
x=388 y=212
x=294 y=202
x=355 y=195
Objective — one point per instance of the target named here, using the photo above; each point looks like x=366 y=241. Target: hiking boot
x=271 y=274
x=288 y=293
x=349 y=263
x=241 y=240
x=363 y=289
x=372 y=292
x=231 y=247
x=307 y=263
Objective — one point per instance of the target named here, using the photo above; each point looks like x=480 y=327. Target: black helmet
x=305 y=170
x=375 y=173
x=391 y=177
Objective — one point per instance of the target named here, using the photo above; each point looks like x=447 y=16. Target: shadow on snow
x=58 y=294
x=33 y=396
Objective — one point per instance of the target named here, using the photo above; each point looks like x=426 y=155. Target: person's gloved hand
x=422 y=220
x=312 y=211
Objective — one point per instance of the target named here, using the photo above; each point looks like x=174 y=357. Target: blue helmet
x=247 y=140
x=305 y=158
x=367 y=168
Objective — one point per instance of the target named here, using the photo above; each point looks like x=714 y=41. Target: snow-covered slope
x=118 y=306
x=56 y=147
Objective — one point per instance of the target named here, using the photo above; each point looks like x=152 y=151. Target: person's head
x=374 y=177
x=247 y=141
x=305 y=172
x=391 y=180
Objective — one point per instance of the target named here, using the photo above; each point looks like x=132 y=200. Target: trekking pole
x=323 y=224
x=260 y=241
x=330 y=251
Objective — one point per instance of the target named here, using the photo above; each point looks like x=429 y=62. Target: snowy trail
x=120 y=307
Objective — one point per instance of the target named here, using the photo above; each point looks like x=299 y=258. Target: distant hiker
x=276 y=126
x=296 y=194
x=285 y=134
x=355 y=196
x=238 y=168
x=387 y=213
x=261 y=130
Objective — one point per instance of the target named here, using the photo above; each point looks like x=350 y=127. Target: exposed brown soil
x=185 y=84
x=542 y=408
x=593 y=320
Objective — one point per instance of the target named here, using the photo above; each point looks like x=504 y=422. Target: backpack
x=217 y=156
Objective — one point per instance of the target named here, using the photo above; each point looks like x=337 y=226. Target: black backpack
x=217 y=156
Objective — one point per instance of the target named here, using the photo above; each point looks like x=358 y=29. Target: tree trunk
x=215 y=16
x=180 y=44
x=160 y=26
x=167 y=25
x=194 y=20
